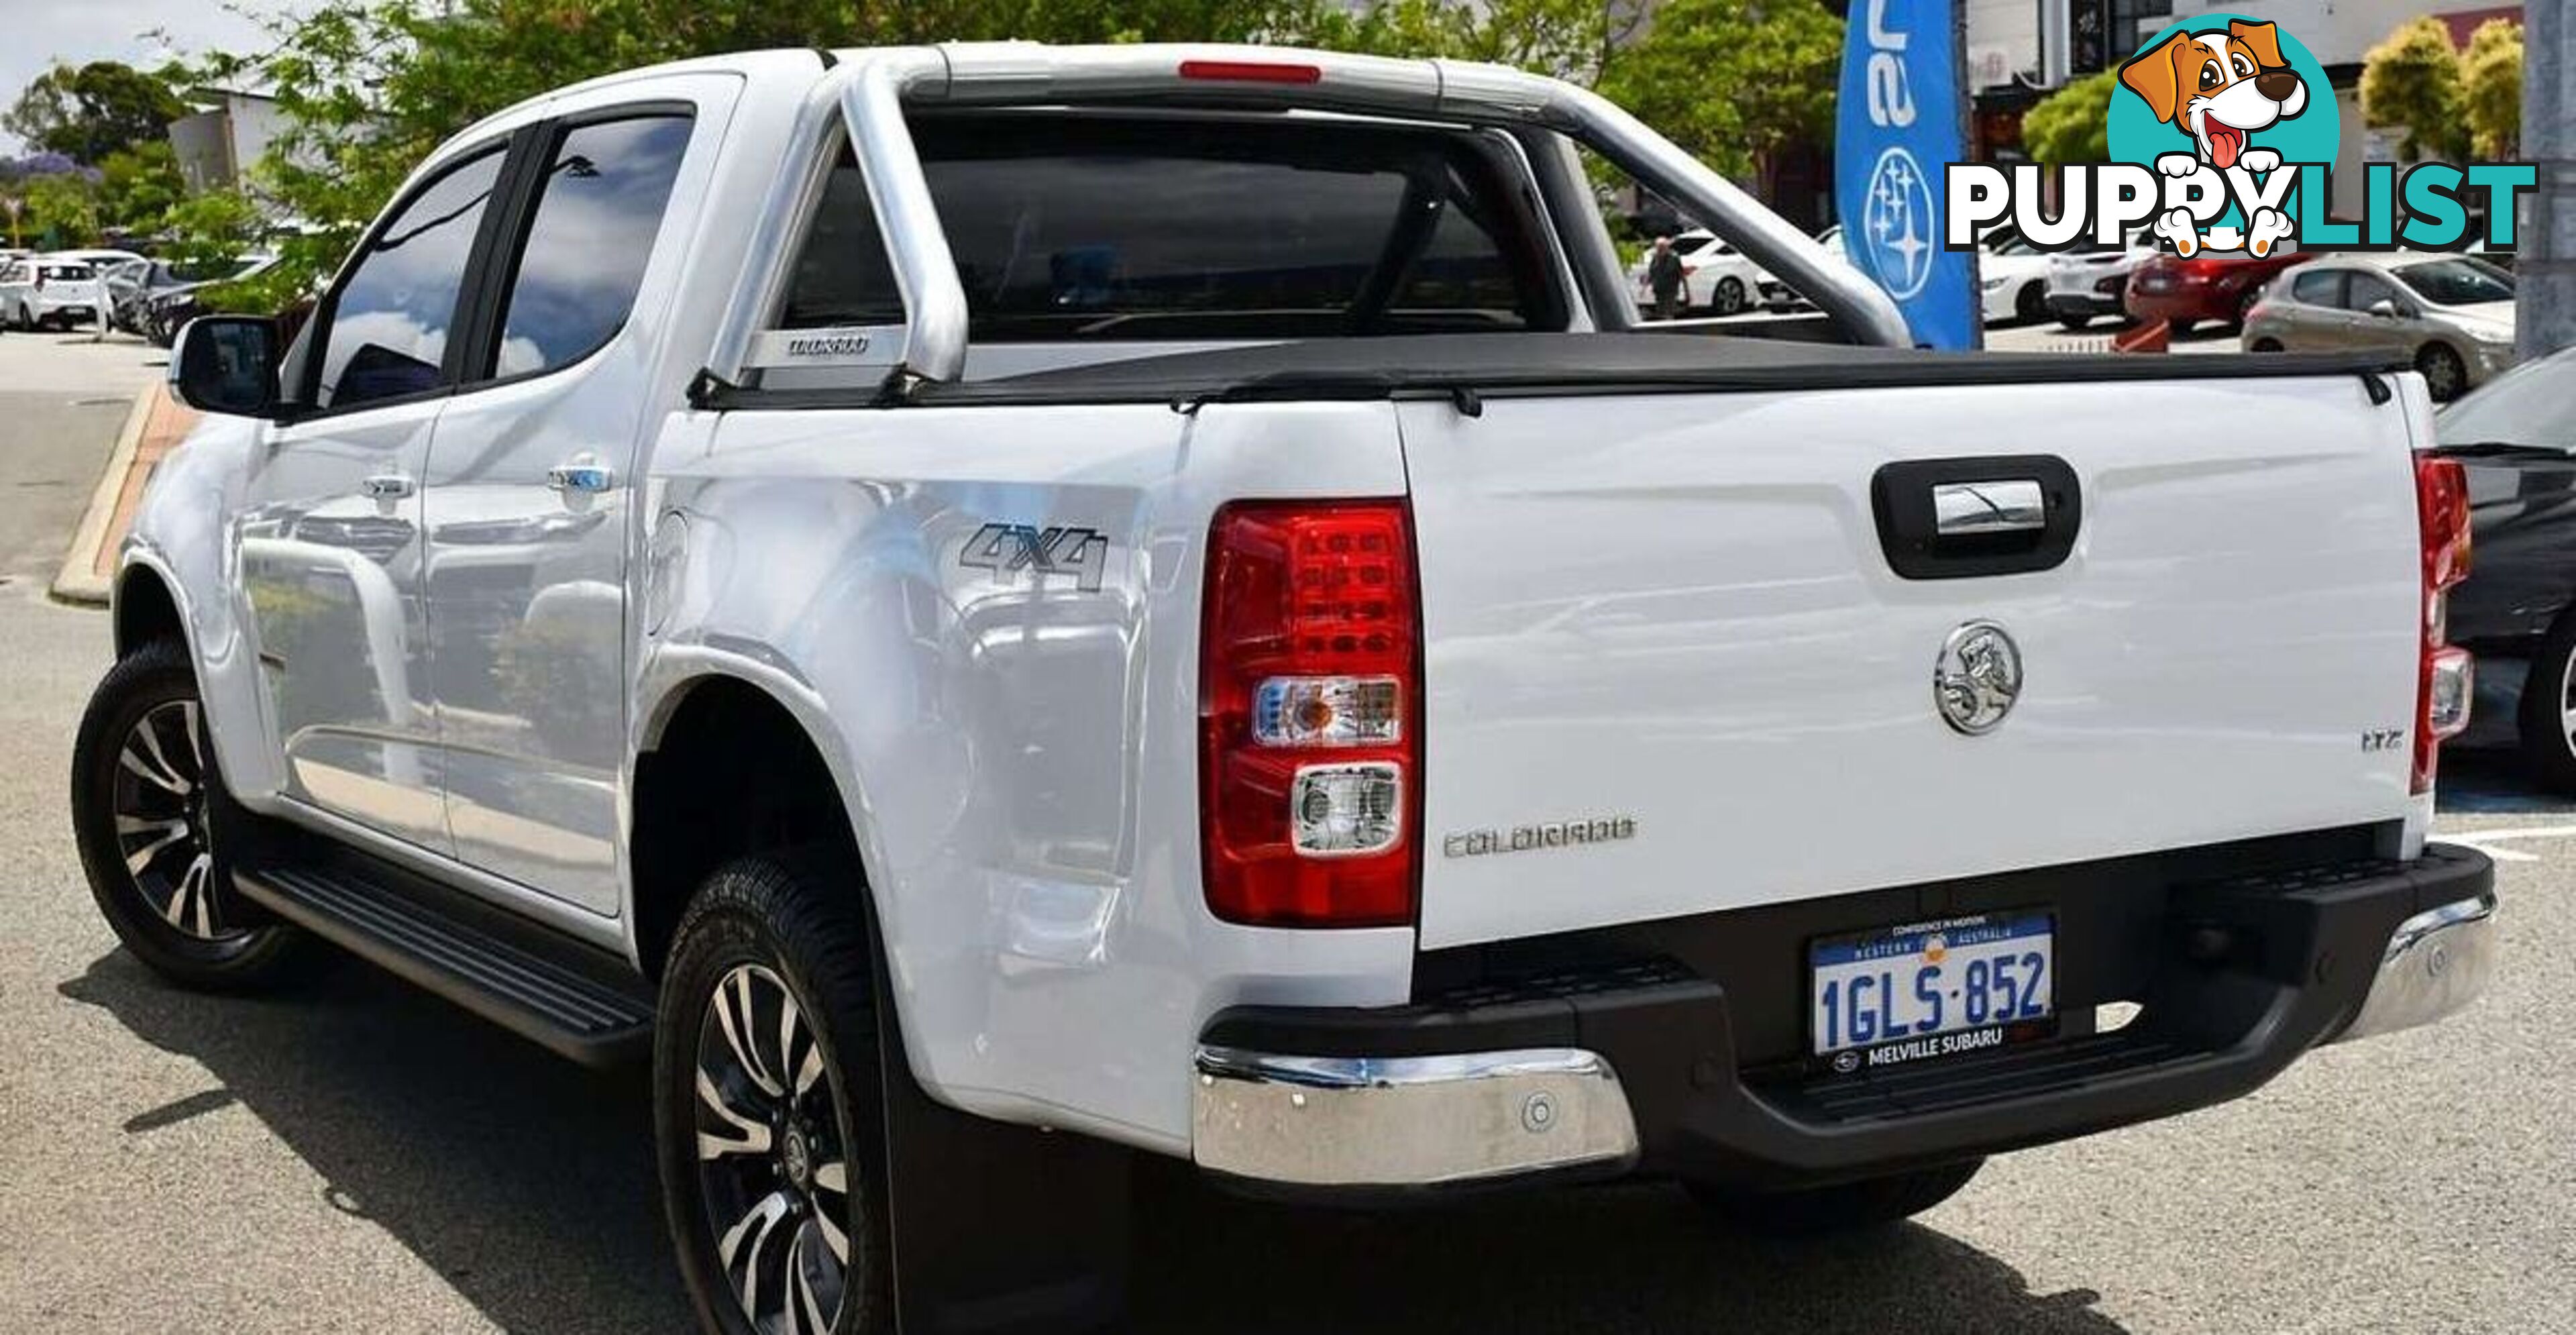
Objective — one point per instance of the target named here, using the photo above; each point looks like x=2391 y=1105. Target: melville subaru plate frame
x=1941 y=988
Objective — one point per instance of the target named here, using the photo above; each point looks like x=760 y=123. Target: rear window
x=1068 y=228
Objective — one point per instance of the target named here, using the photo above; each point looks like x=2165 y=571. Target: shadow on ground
x=528 y=1184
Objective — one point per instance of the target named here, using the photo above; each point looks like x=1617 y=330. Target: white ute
x=1162 y=595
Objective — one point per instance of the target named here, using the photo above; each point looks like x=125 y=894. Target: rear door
x=1670 y=666
x=530 y=483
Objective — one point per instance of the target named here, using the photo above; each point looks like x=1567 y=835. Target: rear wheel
x=766 y=1104
x=2546 y=717
x=1730 y=296
x=2445 y=377
x=2075 y=319
x=1845 y=1207
x=157 y=828
x=2030 y=305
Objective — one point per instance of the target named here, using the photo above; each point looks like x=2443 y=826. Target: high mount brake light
x=1251 y=71
x=2444 y=676
x=1310 y=708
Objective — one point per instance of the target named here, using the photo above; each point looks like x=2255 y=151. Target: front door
x=329 y=541
x=529 y=486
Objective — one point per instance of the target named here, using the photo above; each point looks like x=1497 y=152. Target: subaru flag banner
x=1900 y=123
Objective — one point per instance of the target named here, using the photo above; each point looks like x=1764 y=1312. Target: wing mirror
x=228 y=364
x=2386 y=309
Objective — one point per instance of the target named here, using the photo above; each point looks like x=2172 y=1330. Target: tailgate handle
x=1971 y=518
x=2014 y=506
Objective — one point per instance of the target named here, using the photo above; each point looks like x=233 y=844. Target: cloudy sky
x=42 y=31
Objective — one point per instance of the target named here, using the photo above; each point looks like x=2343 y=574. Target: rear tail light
x=1251 y=71
x=2444 y=675
x=1310 y=708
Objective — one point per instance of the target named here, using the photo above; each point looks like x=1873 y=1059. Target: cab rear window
x=1074 y=228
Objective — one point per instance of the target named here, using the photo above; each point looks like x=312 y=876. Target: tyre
x=2075 y=321
x=767 y=1105
x=2265 y=345
x=158 y=830
x=2030 y=305
x=2445 y=376
x=1730 y=296
x=2179 y=326
x=1843 y=1208
x=2543 y=719
x=2244 y=307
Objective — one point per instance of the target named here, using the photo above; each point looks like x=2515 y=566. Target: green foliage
x=92 y=111
x=2491 y=88
x=60 y=211
x=2072 y=124
x=1732 y=81
x=138 y=186
x=2412 y=79
x=1571 y=39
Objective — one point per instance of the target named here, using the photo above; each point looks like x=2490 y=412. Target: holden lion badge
x=1978 y=677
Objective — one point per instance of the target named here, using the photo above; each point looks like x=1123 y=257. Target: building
x=216 y=145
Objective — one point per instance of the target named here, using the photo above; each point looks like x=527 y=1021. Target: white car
x=2090 y=281
x=2013 y=279
x=811 y=588
x=1716 y=276
x=50 y=291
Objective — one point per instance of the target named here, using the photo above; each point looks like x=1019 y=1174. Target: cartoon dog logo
x=2220 y=88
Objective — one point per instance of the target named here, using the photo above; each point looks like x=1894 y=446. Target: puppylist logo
x=2223 y=132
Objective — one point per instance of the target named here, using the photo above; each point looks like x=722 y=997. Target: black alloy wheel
x=2445 y=376
x=157 y=827
x=766 y=1105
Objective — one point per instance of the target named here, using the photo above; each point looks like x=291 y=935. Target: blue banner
x=1900 y=120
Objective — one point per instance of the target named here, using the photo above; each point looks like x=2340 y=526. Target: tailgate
x=1671 y=670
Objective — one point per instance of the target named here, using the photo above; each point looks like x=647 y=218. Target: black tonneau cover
x=1540 y=364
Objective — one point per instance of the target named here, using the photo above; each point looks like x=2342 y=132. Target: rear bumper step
x=565 y=996
x=1638 y=1066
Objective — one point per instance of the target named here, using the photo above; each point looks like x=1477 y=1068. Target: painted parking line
x=2485 y=841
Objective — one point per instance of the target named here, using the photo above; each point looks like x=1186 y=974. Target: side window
x=596 y=216
x=389 y=324
x=2365 y=289
x=2318 y=287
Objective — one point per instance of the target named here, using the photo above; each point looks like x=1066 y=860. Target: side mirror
x=228 y=364
x=2385 y=309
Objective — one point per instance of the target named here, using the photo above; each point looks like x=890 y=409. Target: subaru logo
x=1977 y=678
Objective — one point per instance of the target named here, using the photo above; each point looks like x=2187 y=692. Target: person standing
x=1664 y=275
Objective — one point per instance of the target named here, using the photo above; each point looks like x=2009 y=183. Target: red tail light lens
x=1251 y=71
x=1310 y=707
x=2444 y=675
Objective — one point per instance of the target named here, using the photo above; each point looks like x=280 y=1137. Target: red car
x=2204 y=287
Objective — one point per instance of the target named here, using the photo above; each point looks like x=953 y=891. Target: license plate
x=1931 y=989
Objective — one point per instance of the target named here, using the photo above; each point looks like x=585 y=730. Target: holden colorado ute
x=992 y=608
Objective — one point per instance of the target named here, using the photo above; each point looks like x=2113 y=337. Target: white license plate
x=1929 y=989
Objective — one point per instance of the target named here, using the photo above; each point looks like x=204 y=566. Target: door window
x=2319 y=287
x=597 y=213
x=390 y=322
x=2361 y=290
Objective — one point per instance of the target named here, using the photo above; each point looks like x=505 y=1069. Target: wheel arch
x=143 y=607
x=727 y=764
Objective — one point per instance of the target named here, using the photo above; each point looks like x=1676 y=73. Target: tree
x=61 y=210
x=2491 y=79
x=2412 y=80
x=1571 y=39
x=91 y=111
x=138 y=185
x=2072 y=124
x=1732 y=81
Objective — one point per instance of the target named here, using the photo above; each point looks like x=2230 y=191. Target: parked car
x=49 y=292
x=2088 y=281
x=2516 y=436
x=2208 y=286
x=1716 y=277
x=778 y=565
x=2449 y=314
x=178 y=294
x=2014 y=278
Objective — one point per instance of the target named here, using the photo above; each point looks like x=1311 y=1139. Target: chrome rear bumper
x=2437 y=962
x=1408 y=1121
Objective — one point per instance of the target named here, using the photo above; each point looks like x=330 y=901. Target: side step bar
x=564 y=995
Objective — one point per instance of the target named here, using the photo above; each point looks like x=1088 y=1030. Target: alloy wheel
x=2444 y=377
x=773 y=1163
x=162 y=805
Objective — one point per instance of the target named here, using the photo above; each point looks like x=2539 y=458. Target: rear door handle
x=386 y=486
x=579 y=477
x=1963 y=508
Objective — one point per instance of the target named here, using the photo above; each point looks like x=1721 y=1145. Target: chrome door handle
x=387 y=486
x=585 y=478
x=1960 y=509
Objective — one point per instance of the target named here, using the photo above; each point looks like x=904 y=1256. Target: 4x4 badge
x=1009 y=548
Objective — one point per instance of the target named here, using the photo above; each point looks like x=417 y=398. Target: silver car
x=2451 y=314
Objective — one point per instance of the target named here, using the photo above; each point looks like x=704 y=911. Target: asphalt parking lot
x=351 y=1155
